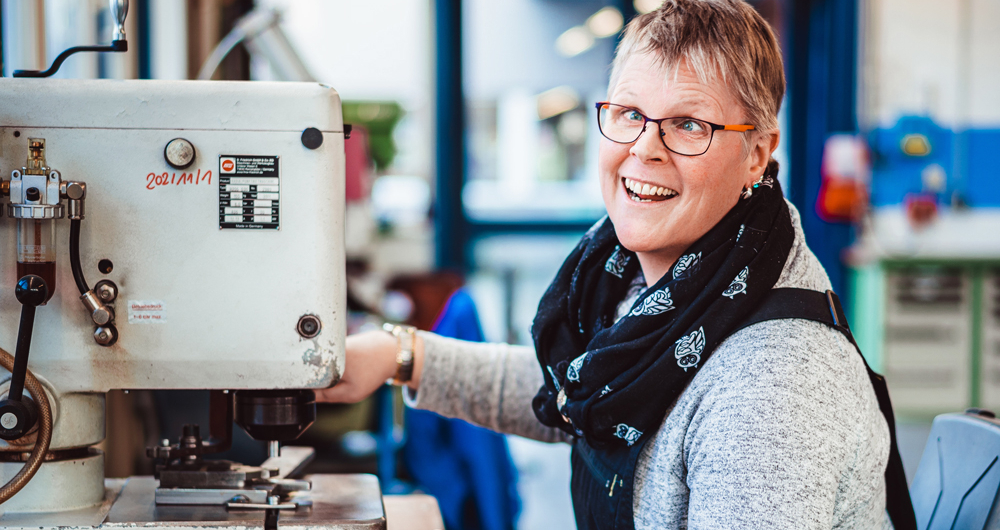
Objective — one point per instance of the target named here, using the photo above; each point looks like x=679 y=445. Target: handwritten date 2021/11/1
x=155 y=180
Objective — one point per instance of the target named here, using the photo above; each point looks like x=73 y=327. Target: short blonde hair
x=719 y=39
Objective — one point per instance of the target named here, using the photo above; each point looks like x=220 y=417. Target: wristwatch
x=405 y=336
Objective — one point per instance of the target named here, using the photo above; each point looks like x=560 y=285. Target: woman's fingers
x=341 y=393
x=370 y=359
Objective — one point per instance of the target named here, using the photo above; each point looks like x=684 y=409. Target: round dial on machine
x=179 y=153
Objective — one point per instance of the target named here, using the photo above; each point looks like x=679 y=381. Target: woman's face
x=699 y=190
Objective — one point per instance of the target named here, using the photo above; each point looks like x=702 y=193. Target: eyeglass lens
x=685 y=136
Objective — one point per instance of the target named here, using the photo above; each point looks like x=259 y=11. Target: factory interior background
x=471 y=168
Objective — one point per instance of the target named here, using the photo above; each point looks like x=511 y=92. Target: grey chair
x=958 y=479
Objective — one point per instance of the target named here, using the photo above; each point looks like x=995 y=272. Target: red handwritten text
x=154 y=180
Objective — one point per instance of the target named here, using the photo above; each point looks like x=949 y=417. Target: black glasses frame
x=659 y=125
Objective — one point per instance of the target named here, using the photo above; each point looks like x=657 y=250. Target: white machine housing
x=229 y=298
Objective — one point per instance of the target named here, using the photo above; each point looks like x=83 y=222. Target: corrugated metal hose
x=41 y=446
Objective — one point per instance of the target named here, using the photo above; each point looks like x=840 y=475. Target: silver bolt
x=273 y=449
x=107 y=292
x=272 y=500
x=8 y=420
x=103 y=336
x=165 y=442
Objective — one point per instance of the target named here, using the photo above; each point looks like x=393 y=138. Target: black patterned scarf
x=611 y=382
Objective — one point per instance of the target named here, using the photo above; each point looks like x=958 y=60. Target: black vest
x=603 y=481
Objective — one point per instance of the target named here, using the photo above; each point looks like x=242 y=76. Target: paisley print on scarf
x=617 y=262
x=686 y=265
x=631 y=435
x=654 y=304
x=688 y=349
x=739 y=285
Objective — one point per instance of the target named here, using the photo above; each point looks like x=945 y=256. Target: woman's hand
x=370 y=359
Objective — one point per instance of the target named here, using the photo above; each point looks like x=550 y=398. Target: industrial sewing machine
x=210 y=215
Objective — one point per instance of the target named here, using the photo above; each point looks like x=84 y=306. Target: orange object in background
x=846 y=173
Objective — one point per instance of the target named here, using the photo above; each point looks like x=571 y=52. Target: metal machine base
x=341 y=502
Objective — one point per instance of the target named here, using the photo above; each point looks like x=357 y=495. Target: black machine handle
x=119 y=10
x=18 y=415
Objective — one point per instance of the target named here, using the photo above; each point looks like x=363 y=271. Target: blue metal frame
x=821 y=69
x=141 y=8
x=449 y=137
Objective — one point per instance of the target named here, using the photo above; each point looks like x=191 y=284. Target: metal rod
x=21 y=353
x=273 y=449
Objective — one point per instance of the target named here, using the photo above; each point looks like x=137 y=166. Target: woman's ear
x=760 y=153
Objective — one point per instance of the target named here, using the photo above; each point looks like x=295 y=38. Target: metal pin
x=273 y=449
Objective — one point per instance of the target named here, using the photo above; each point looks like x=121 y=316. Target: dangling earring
x=764 y=180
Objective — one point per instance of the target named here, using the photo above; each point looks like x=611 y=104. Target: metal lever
x=18 y=415
x=119 y=10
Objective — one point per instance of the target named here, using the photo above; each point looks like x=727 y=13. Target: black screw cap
x=32 y=194
x=309 y=326
x=980 y=412
x=31 y=290
x=312 y=138
x=16 y=418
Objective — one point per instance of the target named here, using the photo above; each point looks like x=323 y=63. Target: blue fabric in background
x=467 y=468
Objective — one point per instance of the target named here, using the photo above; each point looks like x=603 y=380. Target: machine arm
x=17 y=416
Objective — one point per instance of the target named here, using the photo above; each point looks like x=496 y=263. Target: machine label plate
x=248 y=192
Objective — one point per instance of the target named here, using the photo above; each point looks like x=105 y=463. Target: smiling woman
x=656 y=350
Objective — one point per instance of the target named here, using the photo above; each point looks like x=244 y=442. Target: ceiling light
x=606 y=22
x=556 y=101
x=575 y=41
x=646 y=6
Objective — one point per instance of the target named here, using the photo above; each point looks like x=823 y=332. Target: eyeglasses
x=684 y=136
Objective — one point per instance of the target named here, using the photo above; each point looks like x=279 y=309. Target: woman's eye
x=691 y=126
x=634 y=116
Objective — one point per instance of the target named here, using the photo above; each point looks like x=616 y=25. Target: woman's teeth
x=645 y=193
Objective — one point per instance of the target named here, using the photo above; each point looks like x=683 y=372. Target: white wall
x=375 y=49
x=168 y=39
x=23 y=47
x=932 y=57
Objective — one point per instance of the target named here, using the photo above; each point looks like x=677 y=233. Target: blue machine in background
x=965 y=162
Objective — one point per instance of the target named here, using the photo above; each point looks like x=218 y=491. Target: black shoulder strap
x=825 y=308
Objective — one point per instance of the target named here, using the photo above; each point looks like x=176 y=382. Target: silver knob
x=119 y=10
x=179 y=153
x=101 y=316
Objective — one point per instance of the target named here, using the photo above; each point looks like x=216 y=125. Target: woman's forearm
x=487 y=384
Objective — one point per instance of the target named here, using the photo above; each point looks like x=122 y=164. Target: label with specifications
x=249 y=193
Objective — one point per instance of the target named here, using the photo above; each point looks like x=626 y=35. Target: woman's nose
x=649 y=146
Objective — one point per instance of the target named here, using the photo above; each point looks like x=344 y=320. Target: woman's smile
x=640 y=191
